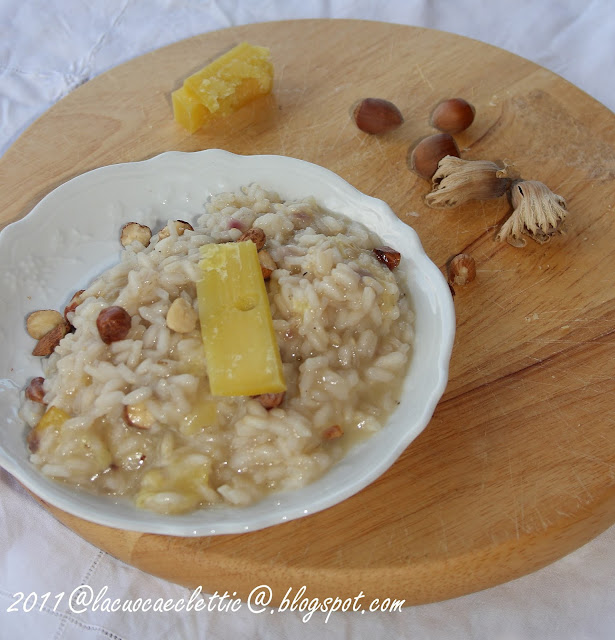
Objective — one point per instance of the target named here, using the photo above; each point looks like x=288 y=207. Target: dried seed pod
x=462 y=269
x=375 y=115
x=453 y=115
x=458 y=181
x=537 y=212
x=426 y=155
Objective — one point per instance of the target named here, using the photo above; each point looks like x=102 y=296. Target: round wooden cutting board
x=517 y=467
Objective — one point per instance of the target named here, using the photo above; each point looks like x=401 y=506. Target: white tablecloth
x=49 y=47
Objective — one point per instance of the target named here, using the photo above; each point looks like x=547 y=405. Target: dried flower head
x=458 y=181
x=537 y=212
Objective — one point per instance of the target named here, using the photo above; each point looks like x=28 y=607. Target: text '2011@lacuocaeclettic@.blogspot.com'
x=84 y=598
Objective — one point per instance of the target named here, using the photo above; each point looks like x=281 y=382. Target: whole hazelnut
x=429 y=151
x=113 y=324
x=462 y=269
x=375 y=115
x=453 y=115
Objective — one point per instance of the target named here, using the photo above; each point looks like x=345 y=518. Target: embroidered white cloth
x=48 y=48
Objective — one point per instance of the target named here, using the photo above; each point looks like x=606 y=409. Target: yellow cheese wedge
x=227 y=84
x=187 y=110
x=243 y=357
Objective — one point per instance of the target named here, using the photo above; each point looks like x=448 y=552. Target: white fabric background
x=49 y=47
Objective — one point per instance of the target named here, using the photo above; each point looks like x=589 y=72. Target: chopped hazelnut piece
x=135 y=232
x=33 y=441
x=257 y=236
x=181 y=317
x=332 y=432
x=462 y=269
x=138 y=415
x=271 y=400
x=268 y=265
x=47 y=344
x=180 y=227
x=34 y=391
x=75 y=301
x=39 y=323
x=388 y=256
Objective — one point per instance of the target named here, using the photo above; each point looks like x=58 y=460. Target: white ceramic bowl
x=72 y=235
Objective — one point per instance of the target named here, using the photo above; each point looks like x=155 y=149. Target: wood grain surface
x=517 y=466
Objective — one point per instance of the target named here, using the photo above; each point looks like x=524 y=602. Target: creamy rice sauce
x=344 y=326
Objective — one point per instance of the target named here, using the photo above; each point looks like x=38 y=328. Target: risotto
x=135 y=418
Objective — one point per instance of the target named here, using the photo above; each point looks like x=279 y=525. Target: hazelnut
x=388 y=256
x=375 y=115
x=257 y=236
x=113 y=324
x=181 y=317
x=75 y=301
x=47 y=344
x=180 y=227
x=138 y=415
x=34 y=391
x=39 y=323
x=452 y=116
x=34 y=441
x=429 y=151
x=135 y=232
x=268 y=265
x=271 y=400
x=332 y=432
x=462 y=269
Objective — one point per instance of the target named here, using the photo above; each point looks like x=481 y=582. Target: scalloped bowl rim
x=159 y=178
